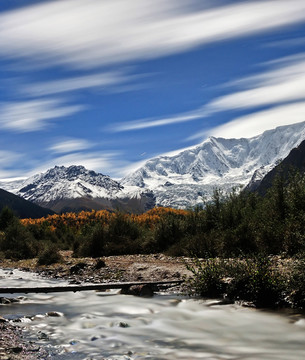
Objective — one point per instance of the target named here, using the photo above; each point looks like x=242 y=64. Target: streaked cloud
x=70 y=145
x=9 y=157
x=9 y=175
x=9 y=161
x=33 y=115
x=287 y=42
x=149 y=123
x=77 y=83
x=93 y=44
x=90 y=33
x=258 y=122
x=284 y=83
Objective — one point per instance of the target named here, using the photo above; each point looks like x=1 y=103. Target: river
x=96 y=325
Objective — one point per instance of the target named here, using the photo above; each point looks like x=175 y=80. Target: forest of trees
x=240 y=223
x=244 y=226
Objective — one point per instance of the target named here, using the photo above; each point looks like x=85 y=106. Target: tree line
x=226 y=226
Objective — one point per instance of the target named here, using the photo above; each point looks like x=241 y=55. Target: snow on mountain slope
x=75 y=188
x=181 y=180
x=184 y=179
x=12 y=186
x=67 y=183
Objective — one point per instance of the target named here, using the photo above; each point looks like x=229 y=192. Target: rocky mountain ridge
x=75 y=188
x=182 y=180
x=68 y=183
x=186 y=178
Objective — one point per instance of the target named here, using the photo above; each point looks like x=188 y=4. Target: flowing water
x=97 y=325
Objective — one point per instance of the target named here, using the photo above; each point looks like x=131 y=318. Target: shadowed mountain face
x=295 y=161
x=22 y=207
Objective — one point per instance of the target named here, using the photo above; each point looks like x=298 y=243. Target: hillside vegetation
x=244 y=226
x=241 y=223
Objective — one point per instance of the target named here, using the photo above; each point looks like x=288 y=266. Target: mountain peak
x=62 y=182
x=73 y=170
x=217 y=162
x=180 y=179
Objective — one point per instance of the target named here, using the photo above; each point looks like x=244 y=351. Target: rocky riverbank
x=14 y=347
x=155 y=267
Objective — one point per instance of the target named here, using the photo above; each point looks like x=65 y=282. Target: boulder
x=139 y=290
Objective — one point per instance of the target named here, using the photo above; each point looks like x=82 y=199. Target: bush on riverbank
x=209 y=278
x=257 y=280
x=50 y=255
x=297 y=284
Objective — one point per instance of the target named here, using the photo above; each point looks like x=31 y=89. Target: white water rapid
x=97 y=325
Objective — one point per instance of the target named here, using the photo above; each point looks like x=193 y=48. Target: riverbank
x=108 y=326
x=260 y=280
x=14 y=347
x=125 y=268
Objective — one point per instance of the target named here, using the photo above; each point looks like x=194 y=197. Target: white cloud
x=162 y=121
x=33 y=115
x=70 y=145
x=285 y=83
x=9 y=175
x=7 y=158
x=9 y=161
x=287 y=42
x=282 y=83
x=77 y=83
x=89 y=33
x=256 y=123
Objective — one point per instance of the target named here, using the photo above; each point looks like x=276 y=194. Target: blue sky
x=109 y=84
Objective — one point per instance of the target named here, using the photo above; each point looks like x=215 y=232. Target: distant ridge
x=74 y=188
x=21 y=207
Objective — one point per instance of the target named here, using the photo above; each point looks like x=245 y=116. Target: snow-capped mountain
x=186 y=178
x=75 y=188
x=181 y=180
x=68 y=183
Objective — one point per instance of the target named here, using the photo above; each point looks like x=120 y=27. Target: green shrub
x=168 y=232
x=18 y=243
x=6 y=218
x=91 y=245
x=202 y=245
x=208 y=278
x=123 y=236
x=257 y=281
x=297 y=284
x=50 y=255
x=252 y=280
